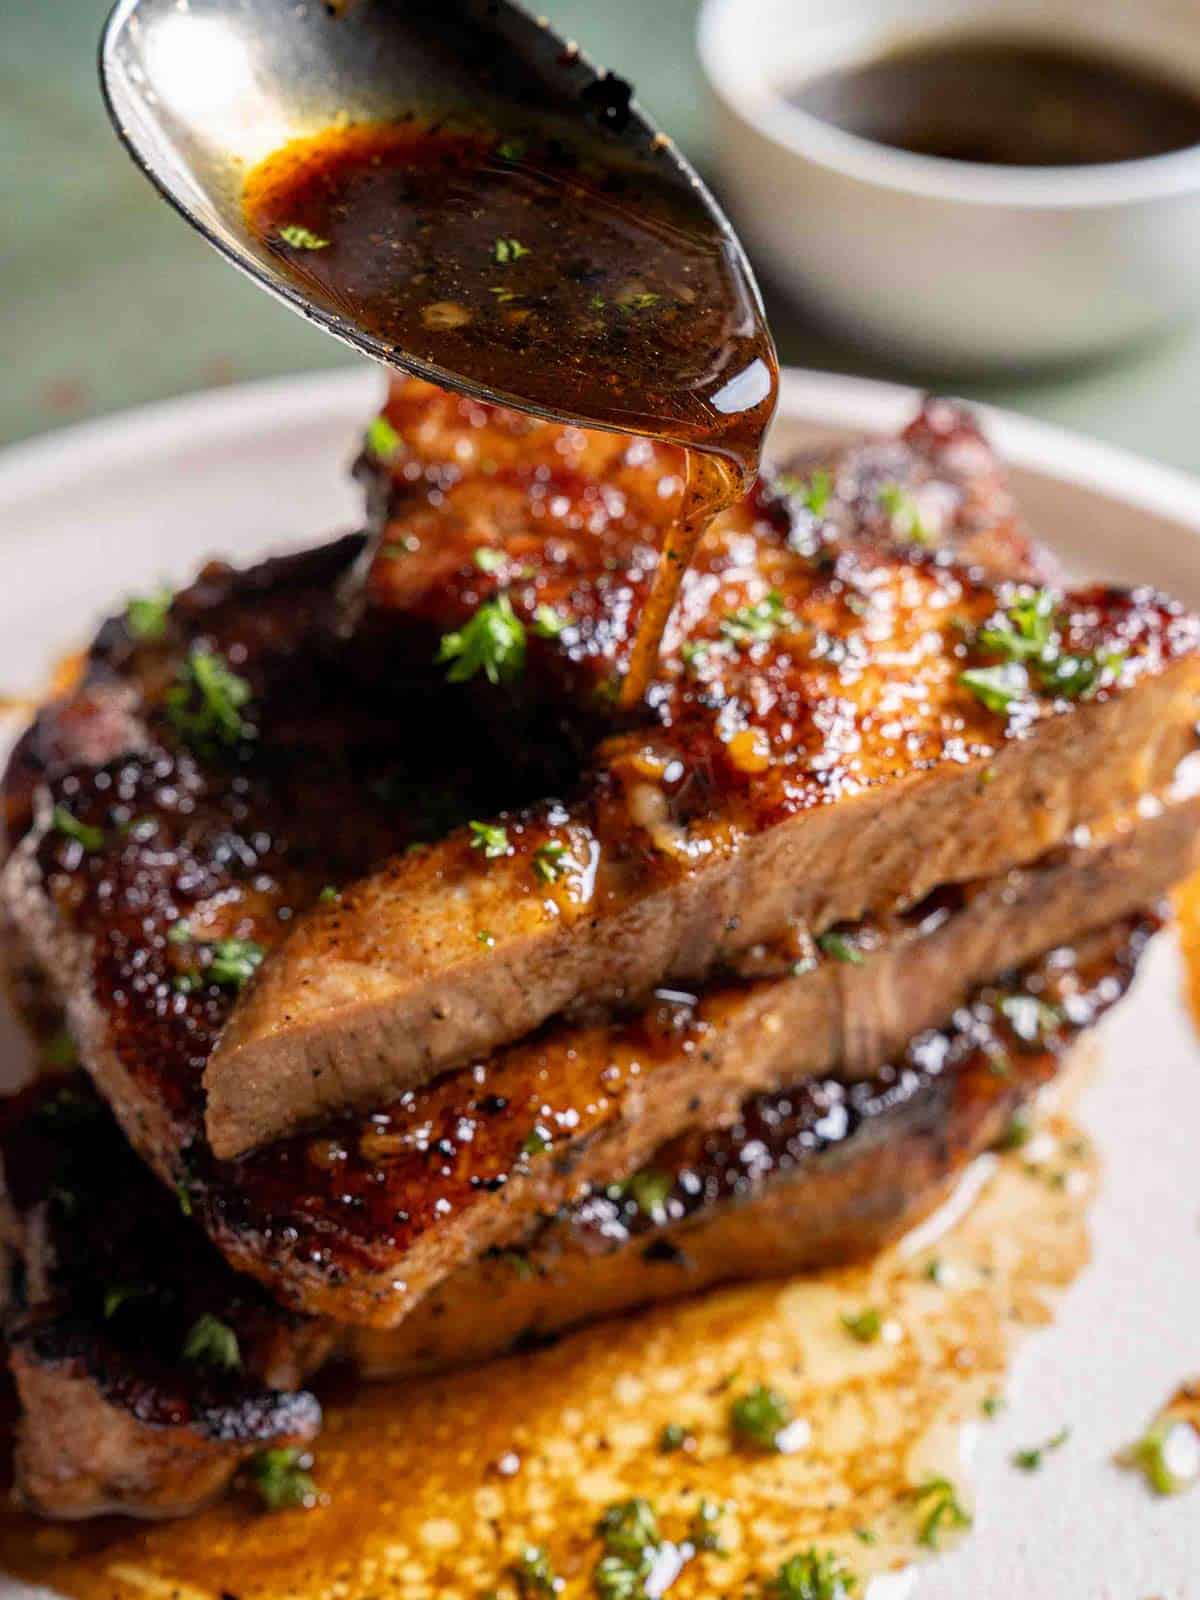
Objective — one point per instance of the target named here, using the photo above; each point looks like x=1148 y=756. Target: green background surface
x=109 y=300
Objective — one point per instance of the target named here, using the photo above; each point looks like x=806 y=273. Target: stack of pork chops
x=403 y=1002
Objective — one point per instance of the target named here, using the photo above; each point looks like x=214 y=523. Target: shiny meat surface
x=116 y=1415
x=826 y=740
x=469 y=501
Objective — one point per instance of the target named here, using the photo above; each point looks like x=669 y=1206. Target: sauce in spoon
x=555 y=271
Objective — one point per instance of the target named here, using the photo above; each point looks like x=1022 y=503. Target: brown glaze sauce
x=432 y=1488
x=1003 y=101
x=558 y=273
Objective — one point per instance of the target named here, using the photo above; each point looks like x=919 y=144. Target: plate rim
x=113 y=444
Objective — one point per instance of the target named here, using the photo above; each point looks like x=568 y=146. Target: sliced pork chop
x=811 y=1177
x=116 y=1415
x=359 y=1221
x=832 y=762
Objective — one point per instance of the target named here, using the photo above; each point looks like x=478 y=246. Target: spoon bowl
x=201 y=92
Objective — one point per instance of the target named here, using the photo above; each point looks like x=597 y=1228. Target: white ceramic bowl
x=946 y=262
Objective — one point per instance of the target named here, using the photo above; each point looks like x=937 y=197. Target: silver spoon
x=201 y=90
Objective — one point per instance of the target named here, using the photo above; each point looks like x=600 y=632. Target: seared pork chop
x=115 y=1279
x=844 y=719
x=147 y=1372
x=152 y=881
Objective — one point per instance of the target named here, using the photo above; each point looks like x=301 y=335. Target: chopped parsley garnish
x=628 y=1527
x=903 y=513
x=760 y=1416
x=533 y=1574
x=755 y=624
x=329 y=895
x=487 y=558
x=550 y=861
x=301 y=238
x=1167 y=1455
x=1077 y=677
x=120 y=1294
x=674 y=1436
x=212 y=1343
x=231 y=962
x=865 y=1326
x=382 y=439
x=536 y=1143
x=511 y=149
x=234 y=962
x=1023 y=631
x=936 y=1271
x=506 y=250
x=205 y=705
x=146 y=615
x=814 y=492
x=939 y=1510
x=60 y=1051
x=83 y=833
x=1027 y=637
x=1031 y=1019
x=1017 y=1134
x=812 y=1575
x=548 y=623
x=841 y=949
x=996 y=688
x=184 y=1195
x=704 y=1530
x=1031 y=1460
x=489 y=837
x=282 y=1478
x=649 y=1190
x=991 y=1405
x=631 y=1542
x=492 y=642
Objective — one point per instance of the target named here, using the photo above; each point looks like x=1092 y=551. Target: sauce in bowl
x=1007 y=101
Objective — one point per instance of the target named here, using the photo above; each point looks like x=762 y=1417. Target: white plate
x=91 y=514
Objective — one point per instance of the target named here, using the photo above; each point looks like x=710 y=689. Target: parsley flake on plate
x=282 y=1478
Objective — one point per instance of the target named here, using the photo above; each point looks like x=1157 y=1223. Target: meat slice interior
x=117 y=1415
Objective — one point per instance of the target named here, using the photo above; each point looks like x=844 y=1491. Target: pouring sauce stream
x=550 y=267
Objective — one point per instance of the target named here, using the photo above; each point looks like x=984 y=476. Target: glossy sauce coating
x=557 y=273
